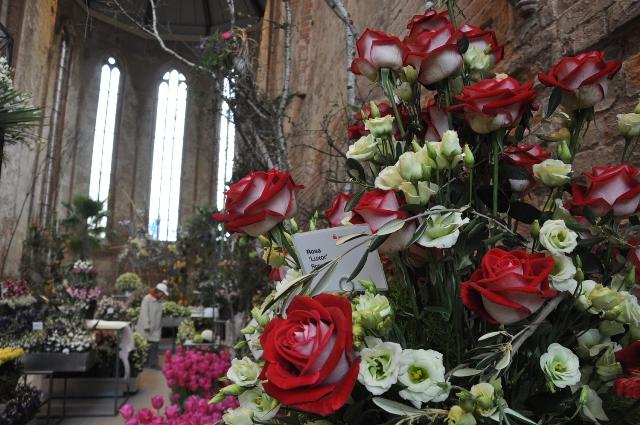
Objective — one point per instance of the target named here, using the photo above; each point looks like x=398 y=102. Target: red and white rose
x=611 y=188
x=434 y=54
x=509 y=286
x=436 y=120
x=431 y=20
x=310 y=363
x=376 y=50
x=258 y=202
x=583 y=78
x=495 y=103
x=483 y=50
x=336 y=215
x=524 y=156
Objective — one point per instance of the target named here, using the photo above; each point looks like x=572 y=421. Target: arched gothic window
x=164 y=199
x=103 y=136
x=225 y=147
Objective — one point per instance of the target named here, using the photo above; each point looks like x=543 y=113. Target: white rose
x=552 y=172
x=239 y=416
x=263 y=406
x=422 y=372
x=557 y=237
x=364 y=149
x=389 y=178
x=409 y=166
x=244 y=372
x=442 y=230
x=629 y=125
x=562 y=277
x=379 y=365
x=560 y=366
x=419 y=195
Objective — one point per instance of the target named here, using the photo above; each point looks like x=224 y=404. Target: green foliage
x=84 y=225
x=129 y=282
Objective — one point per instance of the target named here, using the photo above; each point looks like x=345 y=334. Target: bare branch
x=232 y=12
x=286 y=79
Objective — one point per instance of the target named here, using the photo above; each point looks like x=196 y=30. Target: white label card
x=37 y=326
x=319 y=247
x=110 y=310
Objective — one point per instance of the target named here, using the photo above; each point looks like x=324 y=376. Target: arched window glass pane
x=104 y=132
x=226 y=147
x=164 y=199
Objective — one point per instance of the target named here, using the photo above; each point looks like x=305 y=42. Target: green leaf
x=355 y=170
x=418 y=234
x=343 y=240
x=377 y=241
x=466 y=372
x=554 y=100
x=509 y=411
x=359 y=266
x=524 y=212
x=463 y=45
x=353 y=201
x=396 y=408
x=491 y=335
x=390 y=227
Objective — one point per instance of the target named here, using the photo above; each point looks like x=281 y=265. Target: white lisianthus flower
x=422 y=372
x=445 y=159
x=560 y=366
x=484 y=394
x=263 y=406
x=381 y=127
x=557 y=237
x=450 y=146
x=291 y=275
x=253 y=340
x=409 y=166
x=379 y=365
x=239 y=416
x=478 y=58
x=628 y=311
x=591 y=343
x=552 y=172
x=442 y=230
x=364 y=149
x=244 y=372
x=419 y=195
x=389 y=178
x=582 y=297
x=373 y=311
x=562 y=277
x=592 y=407
x=629 y=125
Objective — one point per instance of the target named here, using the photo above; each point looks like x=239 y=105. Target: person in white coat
x=150 y=321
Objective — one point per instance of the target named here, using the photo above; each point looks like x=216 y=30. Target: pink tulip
x=126 y=411
x=157 y=401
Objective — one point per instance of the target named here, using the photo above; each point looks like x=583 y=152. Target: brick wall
x=533 y=44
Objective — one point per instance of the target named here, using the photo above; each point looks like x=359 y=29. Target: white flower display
x=379 y=365
x=419 y=195
x=263 y=406
x=364 y=149
x=389 y=178
x=442 y=230
x=560 y=366
x=239 y=416
x=562 y=277
x=557 y=238
x=244 y=372
x=552 y=172
x=422 y=372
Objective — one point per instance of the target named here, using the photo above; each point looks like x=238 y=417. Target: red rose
x=378 y=207
x=431 y=20
x=436 y=120
x=336 y=213
x=609 y=188
x=629 y=385
x=508 y=286
x=258 y=202
x=376 y=50
x=434 y=54
x=583 y=78
x=356 y=131
x=525 y=156
x=309 y=358
x=484 y=40
x=495 y=103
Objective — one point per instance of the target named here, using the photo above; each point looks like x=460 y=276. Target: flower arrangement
x=10 y=371
x=23 y=407
x=129 y=282
x=511 y=278
x=110 y=308
x=15 y=294
x=186 y=331
x=194 y=372
x=173 y=309
x=197 y=411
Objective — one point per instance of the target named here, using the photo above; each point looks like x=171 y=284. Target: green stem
x=470 y=186
x=575 y=133
x=448 y=100
x=385 y=77
x=627 y=142
x=496 y=170
x=452 y=14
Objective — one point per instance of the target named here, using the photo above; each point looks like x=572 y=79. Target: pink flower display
x=195 y=371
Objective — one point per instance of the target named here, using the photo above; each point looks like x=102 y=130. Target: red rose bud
x=436 y=120
x=611 y=188
x=483 y=51
x=310 y=364
x=336 y=214
x=376 y=50
x=495 y=103
x=258 y=202
x=508 y=286
x=430 y=21
x=434 y=54
x=583 y=78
